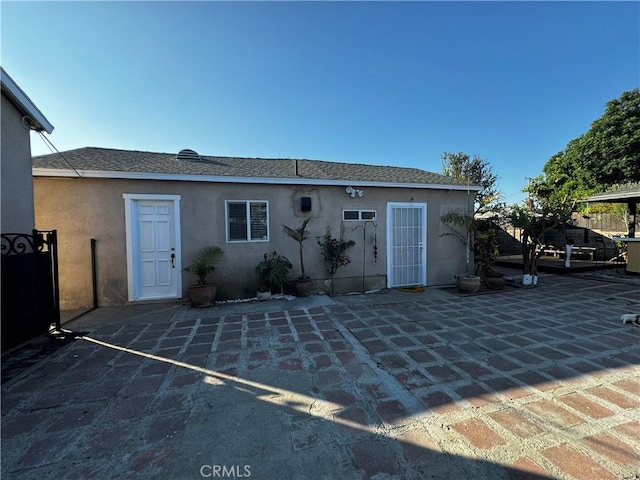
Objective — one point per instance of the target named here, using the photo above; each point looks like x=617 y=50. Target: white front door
x=153 y=246
x=406 y=244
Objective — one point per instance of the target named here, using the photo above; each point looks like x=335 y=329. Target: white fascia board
x=17 y=96
x=56 y=172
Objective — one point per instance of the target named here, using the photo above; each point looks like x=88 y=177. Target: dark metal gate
x=30 y=290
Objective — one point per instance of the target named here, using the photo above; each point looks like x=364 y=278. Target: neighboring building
x=150 y=211
x=19 y=116
x=631 y=196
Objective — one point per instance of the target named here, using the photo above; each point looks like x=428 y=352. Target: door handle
x=173 y=260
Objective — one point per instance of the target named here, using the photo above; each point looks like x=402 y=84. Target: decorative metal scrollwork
x=16 y=244
x=23 y=243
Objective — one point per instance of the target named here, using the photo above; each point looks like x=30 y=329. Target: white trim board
x=64 y=173
x=17 y=96
x=129 y=198
x=390 y=244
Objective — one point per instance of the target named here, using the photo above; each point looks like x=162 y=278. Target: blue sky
x=365 y=82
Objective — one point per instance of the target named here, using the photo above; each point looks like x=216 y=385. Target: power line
x=530 y=179
x=53 y=148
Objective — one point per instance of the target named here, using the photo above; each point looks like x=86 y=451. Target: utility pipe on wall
x=94 y=276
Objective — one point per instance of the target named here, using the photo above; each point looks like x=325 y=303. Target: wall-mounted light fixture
x=353 y=192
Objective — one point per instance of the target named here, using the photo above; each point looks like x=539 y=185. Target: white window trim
x=360 y=211
x=247 y=203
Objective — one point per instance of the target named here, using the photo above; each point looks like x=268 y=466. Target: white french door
x=153 y=246
x=406 y=244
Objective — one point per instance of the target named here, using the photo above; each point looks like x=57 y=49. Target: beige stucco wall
x=15 y=171
x=84 y=208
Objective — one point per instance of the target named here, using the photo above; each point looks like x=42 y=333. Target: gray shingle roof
x=111 y=160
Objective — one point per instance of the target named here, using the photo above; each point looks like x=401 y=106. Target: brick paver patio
x=524 y=383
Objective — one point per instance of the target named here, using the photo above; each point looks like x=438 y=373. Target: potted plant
x=486 y=244
x=273 y=271
x=203 y=294
x=482 y=203
x=334 y=251
x=463 y=227
x=300 y=234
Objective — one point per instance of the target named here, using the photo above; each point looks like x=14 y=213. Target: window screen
x=247 y=221
x=351 y=215
x=258 y=211
x=355 y=215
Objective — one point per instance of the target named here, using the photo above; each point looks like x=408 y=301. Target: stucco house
x=19 y=116
x=150 y=211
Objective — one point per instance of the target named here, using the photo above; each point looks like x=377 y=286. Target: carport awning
x=630 y=196
x=624 y=195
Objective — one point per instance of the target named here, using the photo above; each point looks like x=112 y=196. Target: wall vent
x=188 y=154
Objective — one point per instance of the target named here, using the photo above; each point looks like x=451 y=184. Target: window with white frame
x=358 y=215
x=247 y=220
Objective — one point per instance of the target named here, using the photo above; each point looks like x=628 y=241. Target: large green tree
x=608 y=154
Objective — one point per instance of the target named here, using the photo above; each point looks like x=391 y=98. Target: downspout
x=94 y=276
x=468 y=249
x=94 y=282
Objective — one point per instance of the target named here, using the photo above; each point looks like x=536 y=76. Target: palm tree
x=299 y=234
x=204 y=261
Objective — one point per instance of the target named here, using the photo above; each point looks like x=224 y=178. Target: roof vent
x=187 y=154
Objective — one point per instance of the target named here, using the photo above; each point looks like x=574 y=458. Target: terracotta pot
x=202 y=295
x=469 y=284
x=303 y=287
x=494 y=282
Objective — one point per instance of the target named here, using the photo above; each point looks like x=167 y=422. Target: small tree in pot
x=486 y=248
x=203 y=264
x=300 y=234
x=464 y=224
x=273 y=271
x=334 y=251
